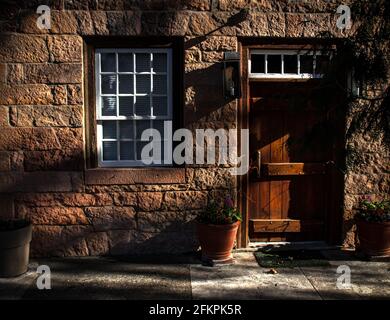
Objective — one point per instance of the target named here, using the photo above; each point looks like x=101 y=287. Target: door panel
x=287 y=195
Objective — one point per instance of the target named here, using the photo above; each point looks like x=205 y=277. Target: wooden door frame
x=244 y=45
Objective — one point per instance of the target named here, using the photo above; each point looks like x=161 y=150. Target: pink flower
x=229 y=202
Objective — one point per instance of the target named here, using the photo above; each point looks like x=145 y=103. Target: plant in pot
x=15 y=238
x=217 y=228
x=373 y=227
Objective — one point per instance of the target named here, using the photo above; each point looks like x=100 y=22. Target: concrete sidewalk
x=185 y=278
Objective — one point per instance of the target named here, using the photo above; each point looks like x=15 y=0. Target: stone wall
x=42 y=144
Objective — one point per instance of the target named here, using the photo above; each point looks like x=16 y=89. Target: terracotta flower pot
x=217 y=241
x=14 y=251
x=374 y=238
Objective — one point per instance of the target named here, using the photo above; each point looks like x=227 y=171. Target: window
x=133 y=93
x=288 y=64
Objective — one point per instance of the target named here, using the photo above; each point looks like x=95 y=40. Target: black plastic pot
x=14 y=251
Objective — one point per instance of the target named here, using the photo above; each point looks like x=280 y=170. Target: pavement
x=183 y=277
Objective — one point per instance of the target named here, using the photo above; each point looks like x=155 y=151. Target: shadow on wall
x=71 y=219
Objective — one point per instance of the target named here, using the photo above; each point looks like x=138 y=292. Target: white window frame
x=283 y=75
x=100 y=118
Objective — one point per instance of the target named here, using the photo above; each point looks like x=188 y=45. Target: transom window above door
x=133 y=93
x=287 y=64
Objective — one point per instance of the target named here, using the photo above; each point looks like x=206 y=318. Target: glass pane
x=109 y=106
x=142 y=61
x=127 y=150
x=159 y=125
x=274 y=63
x=159 y=84
x=159 y=62
x=143 y=83
x=142 y=106
x=141 y=125
x=126 y=84
x=107 y=62
x=109 y=129
x=306 y=64
x=126 y=129
x=108 y=83
x=139 y=146
x=291 y=64
x=126 y=106
x=125 y=62
x=322 y=64
x=160 y=106
x=109 y=150
x=258 y=63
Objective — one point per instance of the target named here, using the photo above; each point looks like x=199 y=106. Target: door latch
x=258 y=163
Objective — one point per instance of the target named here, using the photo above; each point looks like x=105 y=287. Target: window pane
x=109 y=150
x=274 y=63
x=258 y=63
x=125 y=62
x=127 y=150
x=159 y=62
x=108 y=83
x=306 y=64
x=139 y=146
x=143 y=83
x=141 y=125
x=107 y=61
x=142 y=61
x=142 y=106
x=109 y=129
x=159 y=84
x=291 y=64
x=159 y=125
x=160 y=106
x=126 y=84
x=126 y=106
x=126 y=129
x=322 y=64
x=109 y=106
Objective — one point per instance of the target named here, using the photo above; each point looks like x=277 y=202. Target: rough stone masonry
x=80 y=212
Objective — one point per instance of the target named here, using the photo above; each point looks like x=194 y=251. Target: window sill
x=112 y=176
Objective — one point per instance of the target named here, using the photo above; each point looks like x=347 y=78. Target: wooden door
x=289 y=196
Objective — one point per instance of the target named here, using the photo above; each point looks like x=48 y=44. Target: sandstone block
x=39 y=181
x=184 y=200
x=201 y=23
x=124 y=22
x=15 y=74
x=133 y=176
x=120 y=241
x=23 y=48
x=59 y=94
x=4 y=116
x=53 y=73
x=46 y=116
x=34 y=94
x=65 y=48
x=3 y=73
x=53 y=215
x=75 y=95
x=61 y=160
x=63 y=22
x=60 y=241
x=149 y=201
x=109 y=218
x=125 y=199
x=307 y=25
x=165 y=221
x=98 y=244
